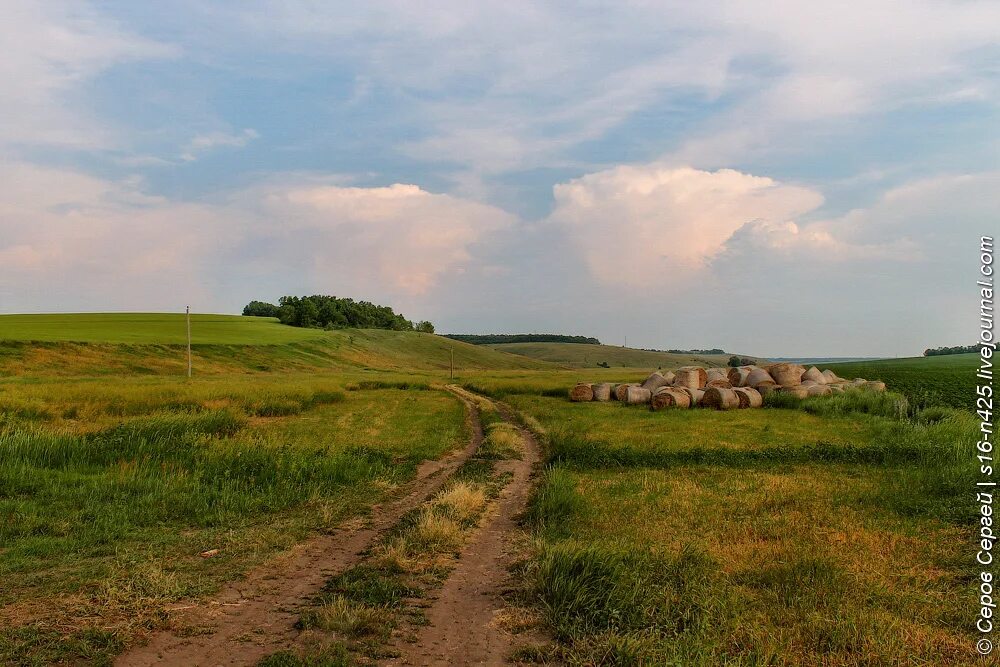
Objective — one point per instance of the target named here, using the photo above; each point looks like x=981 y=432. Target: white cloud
x=652 y=226
x=204 y=143
x=51 y=51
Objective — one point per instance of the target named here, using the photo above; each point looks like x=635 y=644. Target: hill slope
x=155 y=343
x=582 y=355
x=945 y=380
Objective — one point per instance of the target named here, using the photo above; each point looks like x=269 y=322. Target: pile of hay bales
x=723 y=388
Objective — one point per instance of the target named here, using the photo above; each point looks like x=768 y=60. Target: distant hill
x=496 y=339
x=590 y=356
x=155 y=343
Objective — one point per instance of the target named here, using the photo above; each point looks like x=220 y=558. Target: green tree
x=425 y=327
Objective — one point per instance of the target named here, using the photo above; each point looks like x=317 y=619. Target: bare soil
x=256 y=617
x=465 y=625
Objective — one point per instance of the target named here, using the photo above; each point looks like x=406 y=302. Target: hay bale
x=749 y=397
x=694 y=394
x=720 y=399
x=814 y=375
x=621 y=389
x=716 y=374
x=582 y=392
x=738 y=376
x=669 y=375
x=875 y=385
x=837 y=388
x=694 y=377
x=785 y=374
x=602 y=391
x=795 y=390
x=635 y=395
x=668 y=397
x=758 y=376
x=724 y=384
x=765 y=388
x=830 y=376
x=819 y=390
x=654 y=382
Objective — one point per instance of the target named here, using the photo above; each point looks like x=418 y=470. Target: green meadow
x=828 y=531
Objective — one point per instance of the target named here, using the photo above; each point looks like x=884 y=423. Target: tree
x=260 y=309
x=735 y=361
x=425 y=327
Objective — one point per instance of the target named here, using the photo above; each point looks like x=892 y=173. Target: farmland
x=944 y=380
x=826 y=531
x=585 y=355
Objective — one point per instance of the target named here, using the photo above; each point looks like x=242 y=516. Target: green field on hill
x=584 y=355
x=947 y=380
x=155 y=344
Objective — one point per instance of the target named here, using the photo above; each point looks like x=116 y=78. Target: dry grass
x=464 y=501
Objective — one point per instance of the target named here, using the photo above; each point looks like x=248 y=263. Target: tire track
x=256 y=617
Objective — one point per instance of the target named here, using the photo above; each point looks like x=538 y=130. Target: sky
x=773 y=177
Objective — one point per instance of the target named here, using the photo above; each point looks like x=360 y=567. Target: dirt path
x=462 y=628
x=256 y=617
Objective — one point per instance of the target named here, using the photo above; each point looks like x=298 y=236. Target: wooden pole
x=187 y=312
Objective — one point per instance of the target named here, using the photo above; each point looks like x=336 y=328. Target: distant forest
x=329 y=312
x=958 y=349
x=496 y=339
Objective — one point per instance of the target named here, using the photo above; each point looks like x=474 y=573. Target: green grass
x=154 y=344
x=151 y=328
x=585 y=355
x=107 y=499
x=814 y=534
x=947 y=380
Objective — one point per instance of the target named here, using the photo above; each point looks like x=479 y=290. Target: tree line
x=329 y=312
x=496 y=339
x=958 y=349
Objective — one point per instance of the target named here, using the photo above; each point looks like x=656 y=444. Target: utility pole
x=187 y=314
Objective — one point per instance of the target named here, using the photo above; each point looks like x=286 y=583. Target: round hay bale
x=830 y=376
x=724 y=384
x=582 y=392
x=621 y=389
x=759 y=376
x=765 y=388
x=716 y=374
x=654 y=382
x=694 y=377
x=602 y=391
x=667 y=397
x=795 y=390
x=669 y=375
x=836 y=388
x=738 y=376
x=814 y=375
x=819 y=390
x=808 y=383
x=720 y=399
x=749 y=397
x=785 y=374
x=875 y=385
x=635 y=395
x=694 y=394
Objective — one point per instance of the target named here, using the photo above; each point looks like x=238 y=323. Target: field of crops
x=947 y=380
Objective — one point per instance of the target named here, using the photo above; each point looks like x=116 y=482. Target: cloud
x=204 y=143
x=69 y=238
x=652 y=226
x=52 y=51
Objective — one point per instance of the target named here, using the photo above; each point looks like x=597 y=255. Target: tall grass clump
x=555 y=502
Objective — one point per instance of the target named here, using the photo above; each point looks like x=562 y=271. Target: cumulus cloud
x=70 y=238
x=636 y=225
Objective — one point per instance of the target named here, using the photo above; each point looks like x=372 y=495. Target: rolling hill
x=155 y=343
x=581 y=355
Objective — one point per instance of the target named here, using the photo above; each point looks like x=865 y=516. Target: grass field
x=153 y=344
x=111 y=489
x=772 y=536
x=945 y=380
x=584 y=355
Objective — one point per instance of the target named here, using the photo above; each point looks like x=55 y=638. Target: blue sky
x=780 y=178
